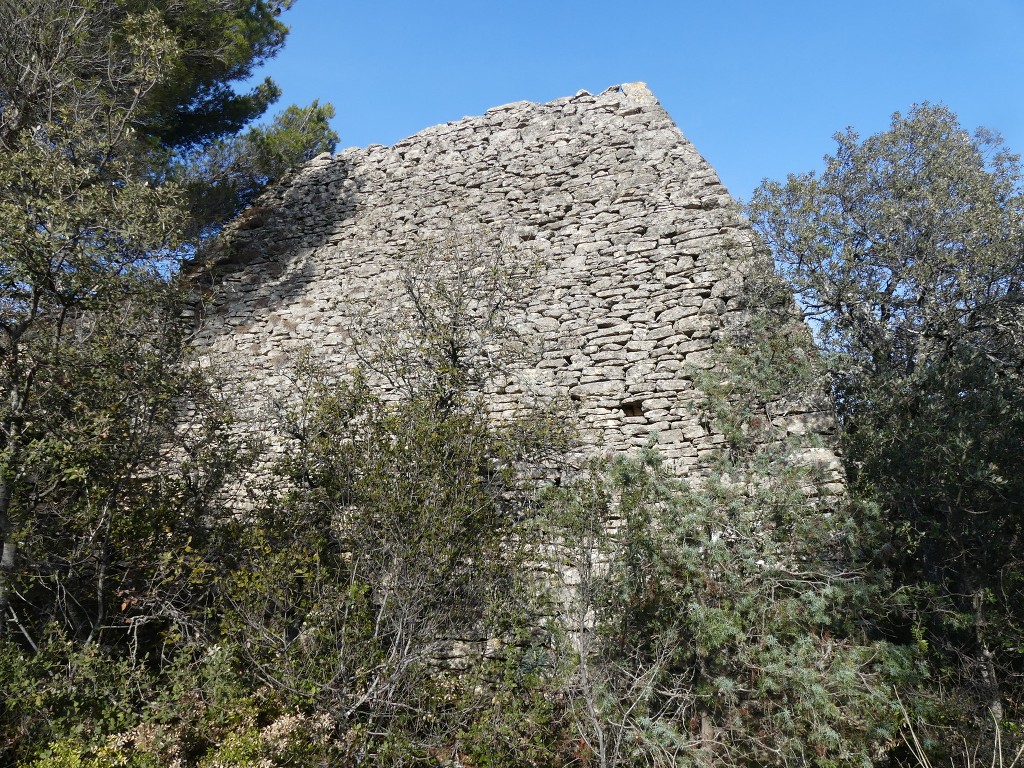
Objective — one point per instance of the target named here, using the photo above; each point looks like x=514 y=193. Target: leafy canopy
x=907 y=254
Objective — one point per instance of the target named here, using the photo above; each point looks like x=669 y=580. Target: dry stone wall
x=642 y=248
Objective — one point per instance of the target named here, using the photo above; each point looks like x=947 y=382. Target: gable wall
x=642 y=248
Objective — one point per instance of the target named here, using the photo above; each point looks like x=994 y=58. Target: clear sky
x=759 y=87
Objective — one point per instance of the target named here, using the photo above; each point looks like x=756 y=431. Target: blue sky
x=758 y=87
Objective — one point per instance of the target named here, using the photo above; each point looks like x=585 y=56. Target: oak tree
x=907 y=255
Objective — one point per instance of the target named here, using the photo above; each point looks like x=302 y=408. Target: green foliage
x=726 y=620
x=386 y=575
x=906 y=252
x=64 y=63
x=516 y=714
x=391 y=552
x=90 y=341
x=60 y=693
x=97 y=522
x=73 y=248
x=111 y=448
x=224 y=177
x=156 y=81
x=74 y=706
x=78 y=63
x=196 y=116
x=705 y=631
x=218 y=45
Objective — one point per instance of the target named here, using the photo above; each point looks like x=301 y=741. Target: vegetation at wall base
x=106 y=553
x=907 y=253
x=728 y=619
x=403 y=594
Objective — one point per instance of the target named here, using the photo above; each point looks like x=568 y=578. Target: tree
x=196 y=116
x=64 y=61
x=60 y=54
x=224 y=177
x=723 y=620
x=392 y=554
x=907 y=254
x=219 y=45
x=107 y=526
x=80 y=227
x=107 y=111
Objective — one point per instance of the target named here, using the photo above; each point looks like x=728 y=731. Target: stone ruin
x=643 y=253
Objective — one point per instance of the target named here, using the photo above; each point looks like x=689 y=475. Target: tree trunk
x=7 y=554
x=989 y=675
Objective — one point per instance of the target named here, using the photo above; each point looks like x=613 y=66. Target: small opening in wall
x=632 y=408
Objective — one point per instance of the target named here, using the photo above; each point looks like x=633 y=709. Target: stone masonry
x=642 y=247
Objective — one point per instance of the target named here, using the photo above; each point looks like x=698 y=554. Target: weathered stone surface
x=643 y=254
